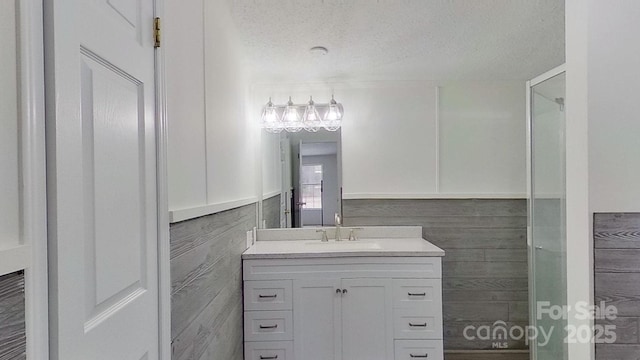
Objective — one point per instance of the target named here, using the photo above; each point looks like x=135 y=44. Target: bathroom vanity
x=376 y=298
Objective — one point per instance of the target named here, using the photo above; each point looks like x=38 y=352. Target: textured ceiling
x=400 y=39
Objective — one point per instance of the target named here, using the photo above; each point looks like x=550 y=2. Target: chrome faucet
x=338 y=226
x=324 y=235
x=352 y=234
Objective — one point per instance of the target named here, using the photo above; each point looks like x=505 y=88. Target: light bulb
x=333 y=116
x=270 y=121
x=291 y=118
x=311 y=118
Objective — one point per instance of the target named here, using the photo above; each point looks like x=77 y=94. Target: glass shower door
x=547 y=227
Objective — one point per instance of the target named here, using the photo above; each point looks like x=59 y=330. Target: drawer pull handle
x=419 y=356
x=268 y=357
x=268 y=296
x=417 y=294
x=418 y=325
x=269 y=326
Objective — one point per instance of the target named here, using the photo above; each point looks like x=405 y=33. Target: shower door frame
x=531 y=252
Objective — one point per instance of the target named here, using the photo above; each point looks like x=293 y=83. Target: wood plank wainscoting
x=12 y=317
x=617 y=280
x=271 y=212
x=485 y=267
x=206 y=284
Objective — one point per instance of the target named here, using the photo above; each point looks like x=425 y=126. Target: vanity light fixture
x=276 y=118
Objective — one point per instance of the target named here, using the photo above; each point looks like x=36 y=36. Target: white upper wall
x=614 y=109
x=232 y=133
x=395 y=145
x=483 y=138
x=184 y=36
x=213 y=143
x=9 y=188
x=389 y=140
x=271 y=164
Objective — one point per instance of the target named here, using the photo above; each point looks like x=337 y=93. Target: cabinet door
x=316 y=319
x=367 y=327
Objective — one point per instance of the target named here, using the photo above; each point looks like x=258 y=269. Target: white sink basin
x=341 y=245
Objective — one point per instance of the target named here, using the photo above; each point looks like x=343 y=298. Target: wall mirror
x=302 y=178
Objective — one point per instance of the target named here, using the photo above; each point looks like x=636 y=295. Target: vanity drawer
x=270 y=350
x=268 y=325
x=410 y=324
x=420 y=294
x=268 y=295
x=418 y=350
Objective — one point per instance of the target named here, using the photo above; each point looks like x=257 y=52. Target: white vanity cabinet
x=343 y=319
x=343 y=308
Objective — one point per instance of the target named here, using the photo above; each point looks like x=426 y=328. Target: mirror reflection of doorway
x=317 y=186
x=311 y=190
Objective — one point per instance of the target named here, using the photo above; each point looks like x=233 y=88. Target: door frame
x=162 y=187
x=33 y=23
x=33 y=175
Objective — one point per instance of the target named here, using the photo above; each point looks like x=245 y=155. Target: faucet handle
x=324 y=235
x=352 y=234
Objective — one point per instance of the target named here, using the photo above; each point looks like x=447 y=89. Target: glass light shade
x=333 y=116
x=270 y=120
x=311 y=119
x=291 y=118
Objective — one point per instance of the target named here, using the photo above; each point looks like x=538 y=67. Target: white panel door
x=316 y=319
x=102 y=180
x=367 y=326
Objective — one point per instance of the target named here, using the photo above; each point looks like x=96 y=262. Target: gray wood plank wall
x=206 y=285
x=485 y=268
x=12 y=317
x=271 y=212
x=617 y=280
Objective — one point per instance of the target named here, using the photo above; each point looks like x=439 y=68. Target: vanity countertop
x=379 y=247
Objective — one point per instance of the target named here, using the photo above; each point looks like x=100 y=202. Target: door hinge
x=156 y=32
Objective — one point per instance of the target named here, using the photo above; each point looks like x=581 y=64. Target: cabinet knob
x=338 y=291
x=344 y=291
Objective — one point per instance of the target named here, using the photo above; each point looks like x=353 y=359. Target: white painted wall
x=9 y=187
x=603 y=132
x=213 y=142
x=271 y=164
x=184 y=36
x=603 y=148
x=614 y=109
x=482 y=137
x=390 y=142
x=232 y=133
